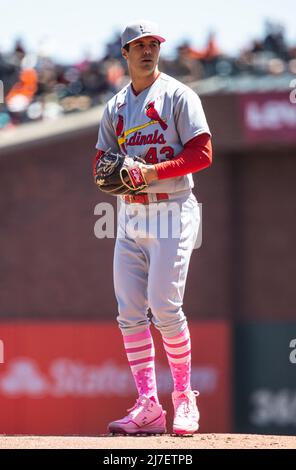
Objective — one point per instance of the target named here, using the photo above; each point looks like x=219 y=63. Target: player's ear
x=124 y=53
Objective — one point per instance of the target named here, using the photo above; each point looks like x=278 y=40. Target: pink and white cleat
x=186 y=412
x=145 y=417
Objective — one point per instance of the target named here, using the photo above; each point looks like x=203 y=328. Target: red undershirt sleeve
x=195 y=156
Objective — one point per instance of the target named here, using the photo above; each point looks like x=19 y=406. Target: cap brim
x=159 y=38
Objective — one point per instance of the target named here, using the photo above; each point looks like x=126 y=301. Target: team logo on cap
x=142 y=29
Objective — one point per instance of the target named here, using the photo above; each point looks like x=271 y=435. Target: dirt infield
x=167 y=441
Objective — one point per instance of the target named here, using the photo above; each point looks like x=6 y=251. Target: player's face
x=143 y=55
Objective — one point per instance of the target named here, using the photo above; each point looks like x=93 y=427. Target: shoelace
x=184 y=404
x=140 y=402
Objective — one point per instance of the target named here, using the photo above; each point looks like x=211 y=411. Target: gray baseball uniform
x=176 y=117
x=150 y=270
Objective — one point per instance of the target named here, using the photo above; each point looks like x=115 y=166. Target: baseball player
x=161 y=120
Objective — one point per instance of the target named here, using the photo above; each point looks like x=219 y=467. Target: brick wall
x=52 y=266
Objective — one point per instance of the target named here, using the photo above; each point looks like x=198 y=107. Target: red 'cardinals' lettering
x=148 y=139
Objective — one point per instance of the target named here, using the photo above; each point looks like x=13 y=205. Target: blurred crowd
x=35 y=87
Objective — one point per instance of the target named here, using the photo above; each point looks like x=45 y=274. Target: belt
x=144 y=198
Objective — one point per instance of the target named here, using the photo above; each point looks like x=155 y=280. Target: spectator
x=44 y=89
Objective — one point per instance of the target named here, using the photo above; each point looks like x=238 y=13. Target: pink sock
x=140 y=352
x=178 y=350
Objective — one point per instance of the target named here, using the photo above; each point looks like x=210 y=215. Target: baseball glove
x=118 y=174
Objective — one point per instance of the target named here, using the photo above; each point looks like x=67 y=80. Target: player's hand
x=118 y=174
x=137 y=175
x=149 y=172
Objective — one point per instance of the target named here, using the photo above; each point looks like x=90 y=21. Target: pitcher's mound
x=165 y=441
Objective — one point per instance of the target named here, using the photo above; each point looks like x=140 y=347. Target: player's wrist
x=149 y=173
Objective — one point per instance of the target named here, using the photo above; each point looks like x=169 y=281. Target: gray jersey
x=154 y=125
